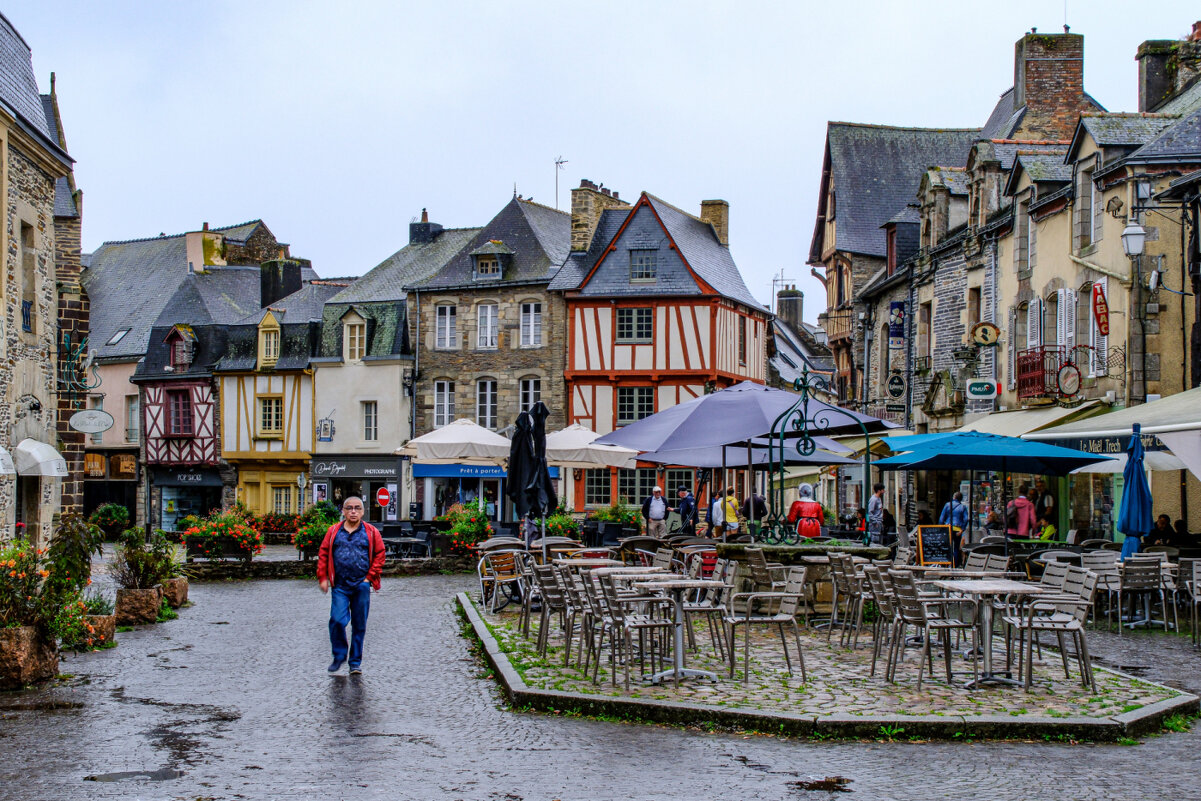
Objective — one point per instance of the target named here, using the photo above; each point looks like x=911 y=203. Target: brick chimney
x=1048 y=79
x=717 y=214
x=790 y=303
x=1166 y=67
x=278 y=279
x=588 y=202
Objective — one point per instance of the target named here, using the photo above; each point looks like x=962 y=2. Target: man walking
x=350 y=561
x=1044 y=501
x=954 y=514
x=875 y=515
x=654 y=509
x=687 y=510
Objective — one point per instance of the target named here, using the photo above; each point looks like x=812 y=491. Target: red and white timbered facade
x=180 y=423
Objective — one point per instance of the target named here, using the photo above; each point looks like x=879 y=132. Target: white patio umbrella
x=575 y=446
x=458 y=441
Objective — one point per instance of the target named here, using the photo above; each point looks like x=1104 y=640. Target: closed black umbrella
x=521 y=465
x=538 y=486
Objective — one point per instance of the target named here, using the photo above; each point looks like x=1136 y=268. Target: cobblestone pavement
x=839 y=678
x=232 y=701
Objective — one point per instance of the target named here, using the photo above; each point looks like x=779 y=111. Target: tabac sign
x=1101 y=310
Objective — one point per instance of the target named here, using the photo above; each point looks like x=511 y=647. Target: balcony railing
x=838 y=324
x=1037 y=372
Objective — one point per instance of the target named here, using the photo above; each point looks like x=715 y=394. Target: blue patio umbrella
x=1134 y=520
x=976 y=450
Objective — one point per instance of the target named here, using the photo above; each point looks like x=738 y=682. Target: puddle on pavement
x=830 y=784
x=160 y=775
x=1134 y=670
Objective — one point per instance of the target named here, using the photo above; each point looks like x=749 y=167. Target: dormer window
x=179 y=355
x=181 y=342
x=490 y=259
x=269 y=341
x=354 y=336
x=643 y=265
x=270 y=346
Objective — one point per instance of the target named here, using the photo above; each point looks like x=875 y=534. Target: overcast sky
x=336 y=123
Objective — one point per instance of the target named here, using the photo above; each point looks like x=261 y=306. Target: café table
x=677 y=587
x=586 y=562
x=983 y=591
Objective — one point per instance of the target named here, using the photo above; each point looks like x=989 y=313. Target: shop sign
x=123 y=465
x=985 y=334
x=353 y=468
x=1101 y=309
x=94 y=465
x=325 y=429
x=1108 y=445
x=91 y=421
x=896 y=386
x=978 y=389
x=896 y=325
x=184 y=477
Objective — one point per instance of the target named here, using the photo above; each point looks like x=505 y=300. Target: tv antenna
x=559 y=162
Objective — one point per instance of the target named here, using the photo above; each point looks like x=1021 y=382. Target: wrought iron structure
x=75 y=363
x=795 y=429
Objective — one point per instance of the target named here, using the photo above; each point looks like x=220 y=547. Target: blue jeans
x=349 y=604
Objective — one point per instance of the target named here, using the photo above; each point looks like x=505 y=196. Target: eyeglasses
x=352 y=508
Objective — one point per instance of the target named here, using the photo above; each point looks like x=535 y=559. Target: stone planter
x=175 y=591
x=25 y=657
x=104 y=629
x=135 y=607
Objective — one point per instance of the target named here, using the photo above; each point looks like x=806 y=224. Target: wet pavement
x=232 y=701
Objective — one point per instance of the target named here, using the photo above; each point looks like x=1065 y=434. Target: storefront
x=40 y=470
x=181 y=491
x=335 y=478
x=439 y=486
x=110 y=477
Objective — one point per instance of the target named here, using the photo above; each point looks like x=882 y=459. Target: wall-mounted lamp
x=577 y=473
x=1133 y=238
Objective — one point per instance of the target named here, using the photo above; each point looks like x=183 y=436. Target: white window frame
x=271 y=338
x=369 y=414
x=356 y=341
x=485 y=403
x=446 y=335
x=444 y=403
x=531 y=393
x=133 y=418
x=487 y=326
x=531 y=324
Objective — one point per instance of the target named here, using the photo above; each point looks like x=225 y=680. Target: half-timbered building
x=657 y=314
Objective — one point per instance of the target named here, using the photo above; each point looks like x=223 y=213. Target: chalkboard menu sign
x=934 y=545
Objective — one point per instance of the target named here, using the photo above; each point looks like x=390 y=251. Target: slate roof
x=298 y=344
x=1179 y=142
x=64 y=200
x=696 y=243
x=1045 y=166
x=412 y=263
x=1117 y=130
x=1185 y=102
x=876 y=170
x=910 y=214
x=791 y=355
x=539 y=238
x=223 y=296
x=210 y=343
x=953 y=178
x=19 y=88
x=118 y=270
x=1004 y=119
x=304 y=305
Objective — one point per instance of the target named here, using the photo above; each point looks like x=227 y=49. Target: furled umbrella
x=521 y=460
x=540 y=492
x=1134 y=519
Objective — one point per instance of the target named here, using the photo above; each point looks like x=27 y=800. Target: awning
x=854 y=445
x=440 y=470
x=6 y=463
x=1152 y=460
x=1023 y=421
x=35 y=458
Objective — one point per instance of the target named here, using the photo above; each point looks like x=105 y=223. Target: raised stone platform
x=218 y=570
x=841 y=699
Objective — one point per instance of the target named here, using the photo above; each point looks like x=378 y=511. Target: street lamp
x=302 y=481
x=1133 y=237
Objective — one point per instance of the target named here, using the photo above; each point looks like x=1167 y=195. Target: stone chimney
x=1167 y=67
x=425 y=231
x=790 y=303
x=278 y=279
x=1048 y=79
x=205 y=248
x=588 y=202
x=717 y=214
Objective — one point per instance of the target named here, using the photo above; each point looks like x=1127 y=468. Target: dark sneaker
x=355 y=670
x=334 y=666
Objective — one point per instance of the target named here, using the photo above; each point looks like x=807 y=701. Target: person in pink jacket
x=1019 y=515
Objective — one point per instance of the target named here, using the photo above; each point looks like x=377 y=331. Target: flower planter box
x=25 y=657
x=136 y=607
x=307 y=554
x=221 y=549
x=104 y=629
x=175 y=591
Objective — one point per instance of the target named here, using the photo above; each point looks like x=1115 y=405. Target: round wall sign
x=1068 y=379
x=896 y=386
x=91 y=421
x=985 y=334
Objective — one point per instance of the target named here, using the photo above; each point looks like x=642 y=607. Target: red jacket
x=325 y=556
x=808 y=516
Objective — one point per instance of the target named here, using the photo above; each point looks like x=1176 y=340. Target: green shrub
x=469 y=526
x=21 y=575
x=209 y=536
x=314 y=523
x=562 y=525
x=70 y=555
x=112 y=518
x=141 y=565
x=618 y=513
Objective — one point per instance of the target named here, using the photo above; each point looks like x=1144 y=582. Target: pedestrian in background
x=954 y=514
x=730 y=512
x=807 y=514
x=875 y=515
x=350 y=562
x=1019 y=515
x=716 y=516
x=654 y=510
x=687 y=510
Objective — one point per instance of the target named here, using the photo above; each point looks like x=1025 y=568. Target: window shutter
x=1034 y=323
x=1067 y=305
x=1012 y=347
x=1098 y=207
x=1061 y=334
x=1032 y=247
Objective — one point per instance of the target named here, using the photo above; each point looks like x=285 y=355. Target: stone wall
x=73 y=316
x=224 y=570
x=507 y=364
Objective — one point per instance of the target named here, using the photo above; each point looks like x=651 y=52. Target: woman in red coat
x=807 y=514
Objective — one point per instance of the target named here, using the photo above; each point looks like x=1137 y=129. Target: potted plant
x=468 y=526
x=112 y=518
x=223 y=534
x=312 y=526
x=562 y=524
x=101 y=616
x=139 y=568
x=27 y=646
x=175 y=584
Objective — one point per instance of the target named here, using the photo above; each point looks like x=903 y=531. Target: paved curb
x=930 y=727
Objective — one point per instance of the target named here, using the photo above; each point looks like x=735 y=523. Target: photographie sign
x=896 y=325
x=91 y=421
x=1101 y=309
